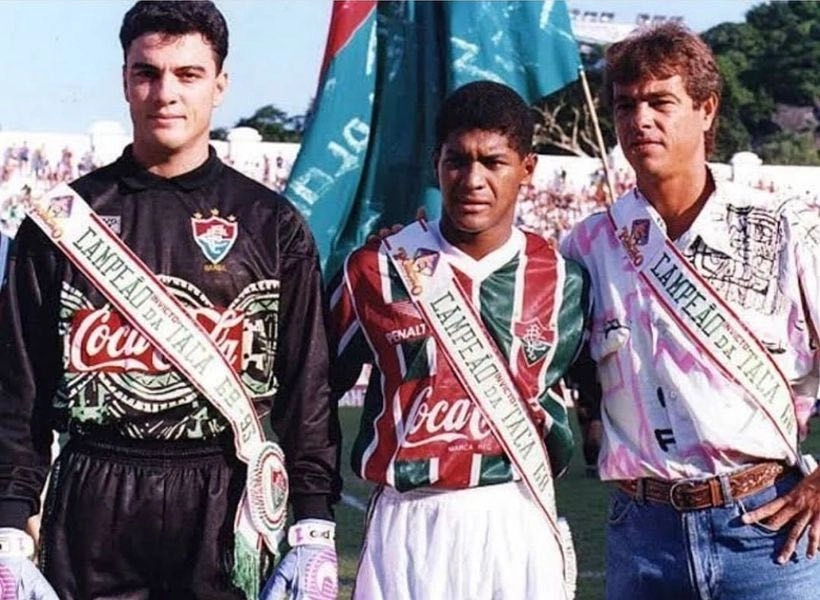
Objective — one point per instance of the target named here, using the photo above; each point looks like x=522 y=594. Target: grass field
x=582 y=500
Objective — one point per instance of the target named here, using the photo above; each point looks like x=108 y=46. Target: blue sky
x=60 y=59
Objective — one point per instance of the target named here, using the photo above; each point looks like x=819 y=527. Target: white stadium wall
x=245 y=151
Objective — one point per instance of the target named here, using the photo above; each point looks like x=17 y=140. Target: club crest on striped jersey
x=215 y=235
x=536 y=339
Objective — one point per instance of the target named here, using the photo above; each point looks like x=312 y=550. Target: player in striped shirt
x=450 y=517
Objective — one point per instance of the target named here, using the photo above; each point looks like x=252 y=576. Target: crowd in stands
x=50 y=168
x=271 y=171
x=35 y=163
x=46 y=168
x=551 y=207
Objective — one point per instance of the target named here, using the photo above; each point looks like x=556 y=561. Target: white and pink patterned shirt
x=667 y=411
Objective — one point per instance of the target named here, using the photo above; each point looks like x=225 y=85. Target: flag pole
x=598 y=136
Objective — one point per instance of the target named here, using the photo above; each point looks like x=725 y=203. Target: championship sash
x=698 y=311
x=479 y=367
x=136 y=293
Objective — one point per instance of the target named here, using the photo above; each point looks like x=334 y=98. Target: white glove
x=19 y=578
x=309 y=571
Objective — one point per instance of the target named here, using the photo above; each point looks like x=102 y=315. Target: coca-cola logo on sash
x=102 y=340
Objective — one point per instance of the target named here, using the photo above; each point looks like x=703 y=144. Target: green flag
x=366 y=157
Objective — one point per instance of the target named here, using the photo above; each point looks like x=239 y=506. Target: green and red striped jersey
x=419 y=426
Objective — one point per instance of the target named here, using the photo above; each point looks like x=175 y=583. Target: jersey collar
x=135 y=177
x=483 y=268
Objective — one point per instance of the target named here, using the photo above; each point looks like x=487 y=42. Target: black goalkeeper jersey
x=240 y=258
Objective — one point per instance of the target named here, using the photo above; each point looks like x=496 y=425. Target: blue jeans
x=655 y=552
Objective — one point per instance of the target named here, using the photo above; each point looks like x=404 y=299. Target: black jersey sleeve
x=303 y=417
x=30 y=359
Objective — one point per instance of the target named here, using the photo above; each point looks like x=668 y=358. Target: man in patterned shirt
x=704 y=333
x=451 y=517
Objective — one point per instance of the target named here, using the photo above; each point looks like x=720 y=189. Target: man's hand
x=384 y=232
x=800 y=508
x=19 y=578
x=309 y=571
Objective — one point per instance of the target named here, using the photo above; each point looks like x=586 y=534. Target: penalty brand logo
x=215 y=235
x=113 y=222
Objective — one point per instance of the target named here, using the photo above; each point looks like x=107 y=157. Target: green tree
x=220 y=133
x=732 y=133
x=738 y=48
x=789 y=149
x=274 y=124
x=789 y=65
x=768 y=62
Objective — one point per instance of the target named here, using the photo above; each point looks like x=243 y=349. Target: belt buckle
x=673 y=488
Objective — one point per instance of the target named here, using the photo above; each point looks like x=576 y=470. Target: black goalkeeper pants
x=141 y=520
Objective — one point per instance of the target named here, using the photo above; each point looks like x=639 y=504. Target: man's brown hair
x=664 y=51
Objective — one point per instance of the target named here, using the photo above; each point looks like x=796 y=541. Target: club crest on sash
x=51 y=208
x=215 y=235
x=640 y=231
x=536 y=339
x=422 y=264
x=59 y=207
x=267 y=488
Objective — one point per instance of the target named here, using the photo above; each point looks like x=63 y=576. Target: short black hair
x=488 y=106
x=177 y=18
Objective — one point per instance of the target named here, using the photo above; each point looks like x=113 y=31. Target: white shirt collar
x=710 y=223
x=480 y=269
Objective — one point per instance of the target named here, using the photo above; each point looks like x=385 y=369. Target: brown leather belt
x=695 y=494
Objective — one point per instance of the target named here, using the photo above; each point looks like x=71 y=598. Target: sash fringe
x=247 y=566
x=570 y=559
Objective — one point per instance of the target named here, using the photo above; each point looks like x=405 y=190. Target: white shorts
x=483 y=543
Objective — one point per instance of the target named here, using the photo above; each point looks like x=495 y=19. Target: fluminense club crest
x=536 y=339
x=215 y=235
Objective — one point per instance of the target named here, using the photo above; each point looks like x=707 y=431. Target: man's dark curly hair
x=177 y=18
x=488 y=106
